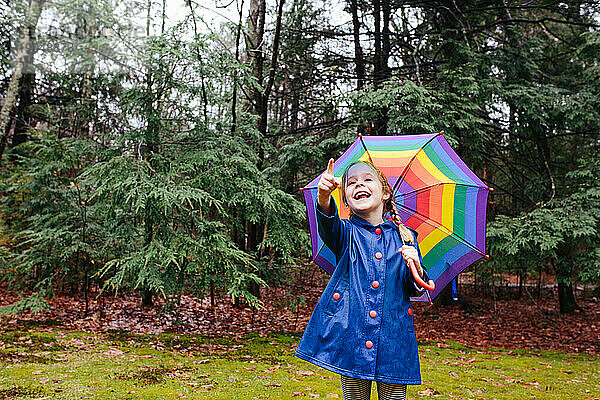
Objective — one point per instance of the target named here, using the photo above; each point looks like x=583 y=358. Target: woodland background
x=142 y=153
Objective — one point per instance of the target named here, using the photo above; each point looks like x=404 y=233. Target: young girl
x=362 y=327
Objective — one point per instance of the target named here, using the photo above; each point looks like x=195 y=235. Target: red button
x=336 y=296
x=378 y=231
x=375 y=284
x=373 y=313
x=378 y=255
x=410 y=311
x=369 y=344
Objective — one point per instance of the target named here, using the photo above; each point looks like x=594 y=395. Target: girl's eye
x=351 y=183
x=369 y=180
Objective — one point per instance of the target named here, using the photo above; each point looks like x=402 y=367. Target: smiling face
x=364 y=193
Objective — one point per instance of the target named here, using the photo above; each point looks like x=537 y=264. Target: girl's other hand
x=410 y=254
x=327 y=184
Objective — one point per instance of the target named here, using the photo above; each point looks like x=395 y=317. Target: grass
x=51 y=363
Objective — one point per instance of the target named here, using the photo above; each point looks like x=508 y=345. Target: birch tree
x=23 y=60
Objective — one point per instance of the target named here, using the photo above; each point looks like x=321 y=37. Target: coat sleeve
x=334 y=232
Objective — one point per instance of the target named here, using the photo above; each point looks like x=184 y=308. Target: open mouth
x=361 y=195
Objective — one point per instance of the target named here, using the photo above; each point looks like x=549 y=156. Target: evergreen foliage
x=140 y=158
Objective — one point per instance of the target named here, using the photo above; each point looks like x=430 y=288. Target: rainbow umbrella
x=436 y=194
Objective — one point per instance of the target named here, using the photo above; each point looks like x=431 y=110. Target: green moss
x=21 y=357
x=154 y=375
x=17 y=391
x=170 y=366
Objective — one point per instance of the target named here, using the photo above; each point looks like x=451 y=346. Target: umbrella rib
x=360 y=136
x=440 y=226
x=405 y=170
x=417 y=191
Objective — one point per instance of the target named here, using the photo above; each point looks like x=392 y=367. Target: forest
x=159 y=147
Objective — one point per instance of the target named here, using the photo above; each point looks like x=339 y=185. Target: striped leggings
x=360 y=389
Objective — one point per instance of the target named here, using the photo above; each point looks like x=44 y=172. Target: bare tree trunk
x=23 y=50
x=255 y=52
x=539 y=282
x=377 y=42
x=381 y=70
x=22 y=117
x=358 y=51
x=256 y=55
x=238 y=35
x=563 y=267
x=267 y=91
x=295 y=111
x=566 y=298
x=260 y=94
x=150 y=144
x=514 y=42
x=84 y=117
x=252 y=230
x=512 y=36
x=199 y=57
x=164 y=15
x=520 y=276
x=386 y=46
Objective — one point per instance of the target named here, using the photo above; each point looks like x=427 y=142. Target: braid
x=390 y=206
x=405 y=234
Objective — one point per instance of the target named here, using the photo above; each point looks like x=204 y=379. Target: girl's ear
x=386 y=195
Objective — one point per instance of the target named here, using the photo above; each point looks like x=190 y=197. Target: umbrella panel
x=435 y=192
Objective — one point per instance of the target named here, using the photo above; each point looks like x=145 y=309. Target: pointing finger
x=330 y=166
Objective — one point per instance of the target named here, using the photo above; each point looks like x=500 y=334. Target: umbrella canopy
x=435 y=192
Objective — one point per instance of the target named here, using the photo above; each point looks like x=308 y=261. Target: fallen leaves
x=476 y=321
x=511 y=323
x=302 y=394
x=428 y=392
x=113 y=352
x=272 y=369
x=304 y=373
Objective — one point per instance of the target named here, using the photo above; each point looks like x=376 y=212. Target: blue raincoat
x=362 y=326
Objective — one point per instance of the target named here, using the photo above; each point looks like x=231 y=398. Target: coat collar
x=363 y=223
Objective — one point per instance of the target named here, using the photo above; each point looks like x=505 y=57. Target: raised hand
x=327 y=184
